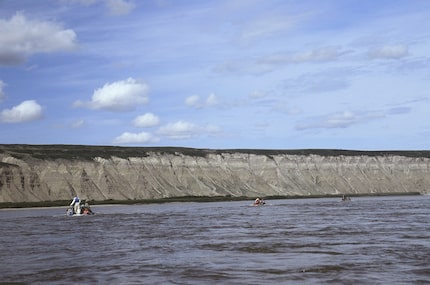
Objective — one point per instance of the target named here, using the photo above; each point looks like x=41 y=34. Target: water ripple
x=380 y=240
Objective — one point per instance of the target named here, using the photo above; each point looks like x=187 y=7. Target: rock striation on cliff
x=32 y=173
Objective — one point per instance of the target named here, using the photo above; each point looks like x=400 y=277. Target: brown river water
x=369 y=240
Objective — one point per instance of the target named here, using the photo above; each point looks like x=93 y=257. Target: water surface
x=375 y=240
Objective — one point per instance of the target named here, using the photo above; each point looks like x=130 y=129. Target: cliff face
x=48 y=173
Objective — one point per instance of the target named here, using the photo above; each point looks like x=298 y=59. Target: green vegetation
x=65 y=203
x=85 y=152
x=81 y=152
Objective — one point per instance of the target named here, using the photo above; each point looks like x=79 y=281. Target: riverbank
x=32 y=174
x=62 y=203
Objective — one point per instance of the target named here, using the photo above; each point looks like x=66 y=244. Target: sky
x=219 y=74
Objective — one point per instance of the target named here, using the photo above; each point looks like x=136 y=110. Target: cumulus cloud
x=211 y=100
x=123 y=95
x=27 y=111
x=389 y=52
x=193 y=101
x=196 y=102
x=21 y=38
x=179 y=130
x=136 y=138
x=2 y=95
x=185 y=130
x=147 y=120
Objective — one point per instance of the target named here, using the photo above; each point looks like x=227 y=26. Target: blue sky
x=267 y=74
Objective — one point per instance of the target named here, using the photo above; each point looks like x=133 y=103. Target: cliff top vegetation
x=87 y=152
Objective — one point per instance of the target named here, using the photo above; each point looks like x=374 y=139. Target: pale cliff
x=30 y=173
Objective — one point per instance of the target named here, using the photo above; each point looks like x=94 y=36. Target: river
x=369 y=240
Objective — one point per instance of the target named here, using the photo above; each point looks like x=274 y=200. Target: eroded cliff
x=57 y=172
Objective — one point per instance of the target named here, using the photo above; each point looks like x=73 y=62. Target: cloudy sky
x=269 y=74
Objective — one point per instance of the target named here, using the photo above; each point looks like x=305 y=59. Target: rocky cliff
x=30 y=173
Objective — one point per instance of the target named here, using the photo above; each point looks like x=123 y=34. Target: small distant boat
x=258 y=202
x=345 y=198
x=79 y=215
x=83 y=210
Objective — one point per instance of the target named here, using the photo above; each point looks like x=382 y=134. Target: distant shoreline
x=65 y=203
x=88 y=152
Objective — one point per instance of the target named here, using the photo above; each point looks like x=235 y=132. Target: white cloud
x=389 y=52
x=185 y=130
x=337 y=120
x=211 y=100
x=147 y=120
x=2 y=95
x=195 y=101
x=21 y=38
x=27 y=111
x=133 y=138
x=317 y=55
x=341 y=119
x=119 y=7
x=179 y=130
x=121 y=95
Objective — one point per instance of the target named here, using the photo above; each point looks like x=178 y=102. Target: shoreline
x=65 y=203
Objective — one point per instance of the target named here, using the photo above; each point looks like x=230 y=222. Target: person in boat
x=86 y=209
x=259 y=201
x=69 y=211
x=345 y=198
x=76 y=204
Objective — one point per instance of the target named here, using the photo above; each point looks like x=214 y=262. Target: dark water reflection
x=381 y=240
